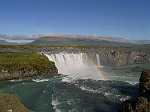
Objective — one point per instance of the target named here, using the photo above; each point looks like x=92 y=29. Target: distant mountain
x=54 y=39
x=70 y=41
x=66 y=38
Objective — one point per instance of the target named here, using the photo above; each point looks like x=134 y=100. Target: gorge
x=93 y=80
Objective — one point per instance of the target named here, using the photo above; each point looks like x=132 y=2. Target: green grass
x=24 y=60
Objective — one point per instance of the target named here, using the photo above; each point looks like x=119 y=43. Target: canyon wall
x=120 y=57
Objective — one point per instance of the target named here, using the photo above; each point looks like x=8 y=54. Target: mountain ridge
x=75 y=36
x=78 y=41
x=90 y=40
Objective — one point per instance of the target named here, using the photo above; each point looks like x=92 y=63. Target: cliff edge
x=16 y=65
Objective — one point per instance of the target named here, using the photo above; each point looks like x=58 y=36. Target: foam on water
x=124 y=98
x=67 y=79
x=40 y=80
x=16 y=80
x=89 y=89
x=108 y=93
x=55 y=102
x=132 y=82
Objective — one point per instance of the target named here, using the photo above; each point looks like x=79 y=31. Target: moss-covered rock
x=11 y=103
x=24 y=64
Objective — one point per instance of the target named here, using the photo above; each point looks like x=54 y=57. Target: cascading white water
x=68 y=61
x=75 y=65
x=98 y=60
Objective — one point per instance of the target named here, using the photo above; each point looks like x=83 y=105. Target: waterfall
x=75 y=65
x=68 y=61
x=98 y=60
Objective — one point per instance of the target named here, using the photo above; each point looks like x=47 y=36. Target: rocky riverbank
x=142 y=102
x=20 y=65
x=11 y=103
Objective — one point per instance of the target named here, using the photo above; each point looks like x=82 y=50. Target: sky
x=128 y=19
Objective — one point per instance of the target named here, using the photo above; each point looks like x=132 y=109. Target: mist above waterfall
x=75 y=65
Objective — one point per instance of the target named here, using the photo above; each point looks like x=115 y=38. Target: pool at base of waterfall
x=52 y=94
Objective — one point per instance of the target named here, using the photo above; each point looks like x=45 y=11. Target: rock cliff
x=125 y=57
x=121 y=57
x=23 y=73
x=21 y=65
x=142 y=102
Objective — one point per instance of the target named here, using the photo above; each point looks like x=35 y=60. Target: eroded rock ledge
x=142 y=102
x=24 y=64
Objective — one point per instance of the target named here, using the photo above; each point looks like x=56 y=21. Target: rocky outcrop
x=142 y=103
x=23 y=73
x=11 y=103
x=24 y=64
x=144 y=87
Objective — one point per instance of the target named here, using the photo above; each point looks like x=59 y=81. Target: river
x=82 y=85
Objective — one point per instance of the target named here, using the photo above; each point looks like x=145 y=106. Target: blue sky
x=117 y=18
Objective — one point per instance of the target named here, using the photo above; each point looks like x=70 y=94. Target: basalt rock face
x=142 y=103
x=23 y=73
x=121 y=57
